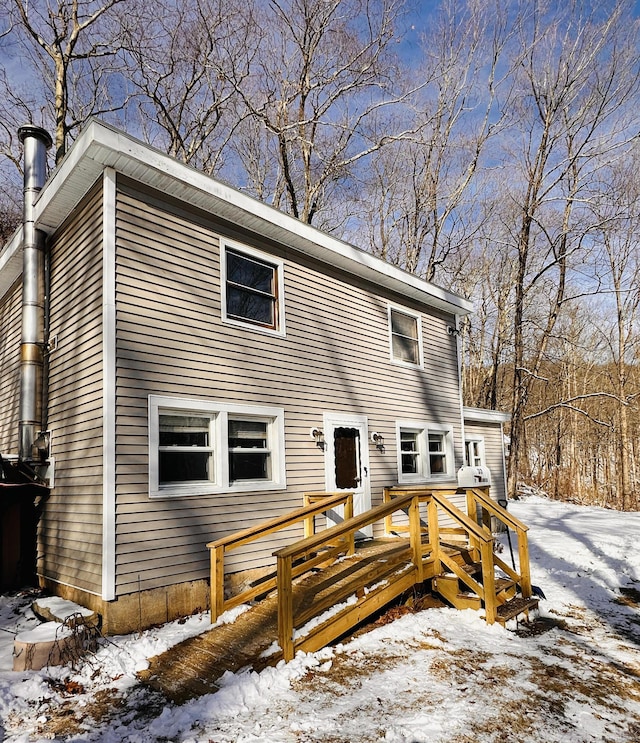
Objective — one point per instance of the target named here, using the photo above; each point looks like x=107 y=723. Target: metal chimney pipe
x=36 y=141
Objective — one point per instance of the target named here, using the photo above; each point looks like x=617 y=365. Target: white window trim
x=424 y=473
x=476 y=440
x=410 y=313
x=222 y=411
x=261 y=256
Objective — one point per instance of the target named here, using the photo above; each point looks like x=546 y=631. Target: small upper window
x=406 y=345
x=252 y=289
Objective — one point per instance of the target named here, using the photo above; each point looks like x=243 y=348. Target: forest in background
x=489 y=146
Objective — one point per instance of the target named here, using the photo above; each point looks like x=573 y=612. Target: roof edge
x=484 y=415
x=100 y=145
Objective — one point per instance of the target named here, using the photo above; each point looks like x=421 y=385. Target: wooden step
x=448 y=586
x=515 y=606
x=505 y=589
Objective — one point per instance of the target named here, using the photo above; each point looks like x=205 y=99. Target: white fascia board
x=100 y=146
x=11 y=262
x=482 y=415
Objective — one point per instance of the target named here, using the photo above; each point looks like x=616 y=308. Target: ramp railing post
x=488 y=581
x=217 y=582
x=523 y=559
x=351 y=536
x=285 y=607
x=434 y=534
x=415 y=537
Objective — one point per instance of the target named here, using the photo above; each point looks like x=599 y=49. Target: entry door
x=347 y=462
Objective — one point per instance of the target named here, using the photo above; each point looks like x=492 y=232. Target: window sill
x=195 y=490
x=427 y=479
x=277 y=332
x=406 y=364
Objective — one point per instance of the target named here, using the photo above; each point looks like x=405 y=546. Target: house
x=204 y=360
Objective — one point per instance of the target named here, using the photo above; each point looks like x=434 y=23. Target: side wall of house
x=491 y=433
x=171 y=341
x=10 y=322
x=71 y=527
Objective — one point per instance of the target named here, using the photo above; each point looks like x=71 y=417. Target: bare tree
x=617 y=209
x=422 y=192
x=576 y=83
x=318 y=87
x=181 y=58
x=68 y=44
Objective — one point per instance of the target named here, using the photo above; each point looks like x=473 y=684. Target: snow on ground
x=432 y=676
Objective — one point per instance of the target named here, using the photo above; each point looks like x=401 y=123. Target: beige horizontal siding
x=171 y=341
x=10 y=329
x=71 y=531
x=493 y=451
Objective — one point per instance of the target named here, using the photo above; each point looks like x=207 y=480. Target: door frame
x=362 y=495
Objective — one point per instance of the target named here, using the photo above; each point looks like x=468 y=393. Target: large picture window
x=425 y=451
x=202 y=447
x=406 y=337
x=252 y=289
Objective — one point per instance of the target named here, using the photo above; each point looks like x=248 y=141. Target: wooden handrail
x=479 y=536
x=316 y=549
x=311 y=545
x=482 y=496
x=479 y=532
x=219 y=547
x=289 y=518
x=426 y=493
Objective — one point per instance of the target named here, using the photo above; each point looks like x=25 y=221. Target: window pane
x=404 y=324
x=184 y=466
x=246 y=305
x=184 y=430
x=248 y=455
x=410 y=464
x=405 y=349
x=248 y=434
x=436 y=442
x=250 y=272
x=409 y=449
x=404 y=338
x=437 y=464
x=437 y=458
x=249 y=465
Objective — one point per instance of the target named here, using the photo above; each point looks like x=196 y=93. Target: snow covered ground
x=436 y=675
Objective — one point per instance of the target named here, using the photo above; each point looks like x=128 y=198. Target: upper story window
x=405 y=330
x=425 y=451
x=206 y=447
x=252 y=289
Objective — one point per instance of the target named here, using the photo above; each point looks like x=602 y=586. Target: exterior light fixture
x=378 y=440
x=317 y=435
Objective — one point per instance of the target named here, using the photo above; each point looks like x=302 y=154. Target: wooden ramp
x=193 y=667
x=323 y=587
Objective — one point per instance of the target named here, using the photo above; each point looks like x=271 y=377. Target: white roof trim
x=100 y=146
x=482 y=415
x=10 y=262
